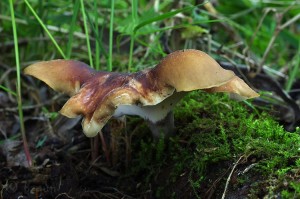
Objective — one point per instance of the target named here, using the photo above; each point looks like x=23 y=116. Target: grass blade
x=19 y=99
x=134 y=15
x=161 y=17
x=86 y=33
x=45 y=28
x=98 y=36
x=149 y=21
x=295 y=69
x=111 y=26
x=72 y=29
x=97 y=44
x=8 y=90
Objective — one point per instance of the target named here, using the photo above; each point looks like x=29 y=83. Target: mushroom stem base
x=164 y=128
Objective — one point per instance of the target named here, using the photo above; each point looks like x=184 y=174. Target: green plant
x=19 y=94
x=45 y=29
x=83 y=13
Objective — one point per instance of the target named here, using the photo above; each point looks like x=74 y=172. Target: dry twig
x=229 y=177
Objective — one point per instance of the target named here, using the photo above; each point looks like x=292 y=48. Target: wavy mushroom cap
x=235 y=86
x=97 y=95
x=65 y=76
x=188 y=70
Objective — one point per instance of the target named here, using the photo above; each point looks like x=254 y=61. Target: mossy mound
x=217 y=136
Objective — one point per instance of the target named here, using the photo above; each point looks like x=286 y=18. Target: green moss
x=213 y=132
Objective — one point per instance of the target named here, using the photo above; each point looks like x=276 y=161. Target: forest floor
x=221 y=147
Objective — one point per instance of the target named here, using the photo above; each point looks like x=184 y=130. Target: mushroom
x=151 y=93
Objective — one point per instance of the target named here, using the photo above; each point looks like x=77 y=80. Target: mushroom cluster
x=151 y=93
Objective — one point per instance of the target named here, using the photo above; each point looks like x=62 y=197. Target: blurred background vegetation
x=233 y=27
x=126 y=36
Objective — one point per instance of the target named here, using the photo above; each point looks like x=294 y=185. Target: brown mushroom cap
x=65 y=76
x=188 y=70
x=100 y=95
x=235 y=86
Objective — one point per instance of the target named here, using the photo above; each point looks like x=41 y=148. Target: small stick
x=229 y=177
x=94 y=148
x=104 y=147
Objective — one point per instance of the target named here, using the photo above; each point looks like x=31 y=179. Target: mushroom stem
x=164 y=128
x=159 y=117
